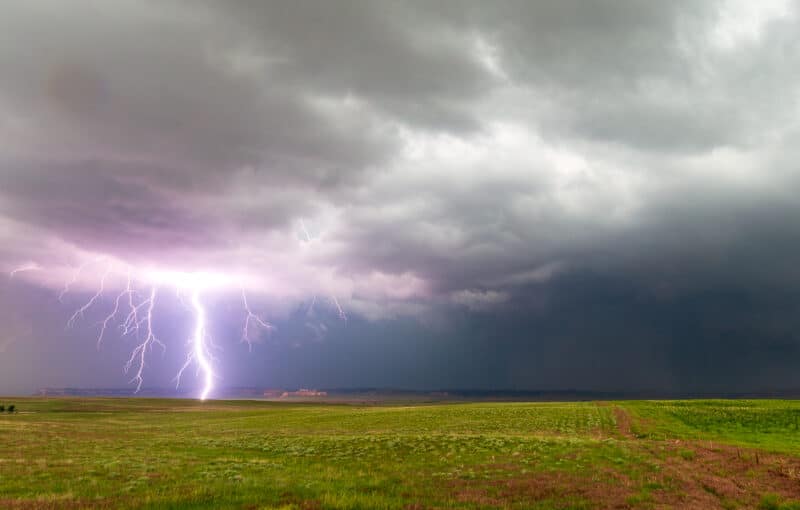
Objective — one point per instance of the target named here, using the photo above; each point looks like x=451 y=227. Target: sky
x=498 y=195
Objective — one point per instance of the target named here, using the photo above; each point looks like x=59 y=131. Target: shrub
x=11 y=408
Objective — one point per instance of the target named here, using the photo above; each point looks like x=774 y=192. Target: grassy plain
x=159 y=453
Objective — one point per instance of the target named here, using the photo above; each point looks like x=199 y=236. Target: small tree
x=2 y=408
x=12 y=408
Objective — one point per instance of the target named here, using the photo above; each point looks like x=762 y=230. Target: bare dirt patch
x=723 y=476
x=688 y=475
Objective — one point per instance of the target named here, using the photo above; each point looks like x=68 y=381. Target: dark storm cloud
x=152 y=100
x=440 y=162
x=392 y=55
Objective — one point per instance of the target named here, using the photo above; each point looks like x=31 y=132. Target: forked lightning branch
x=135 y=306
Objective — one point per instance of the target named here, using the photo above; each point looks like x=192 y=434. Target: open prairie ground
x=159 y=453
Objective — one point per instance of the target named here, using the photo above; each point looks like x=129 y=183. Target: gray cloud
x=414 y=158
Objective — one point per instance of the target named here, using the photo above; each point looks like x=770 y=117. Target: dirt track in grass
x=692 y=475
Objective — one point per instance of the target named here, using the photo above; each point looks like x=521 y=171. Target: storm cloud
x=531 y=194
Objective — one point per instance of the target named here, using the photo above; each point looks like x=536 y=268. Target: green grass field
x=156 y=453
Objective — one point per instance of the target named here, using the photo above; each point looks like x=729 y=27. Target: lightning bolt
x=140 y=315
x=251 y=318
x=138 y=311
x=342 y=315
x=31 y=266
x=79 y=312
x=104 y=325
x=334 y=299
x=199 y=351
x=137 y=356
x=75 y=275
x=132 y=321
x=199 y=344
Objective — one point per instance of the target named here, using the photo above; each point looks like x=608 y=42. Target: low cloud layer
x=426 y=162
